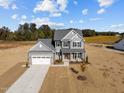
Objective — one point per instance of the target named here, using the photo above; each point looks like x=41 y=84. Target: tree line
x=89 y=32
x=26 y=32
x=30 y=32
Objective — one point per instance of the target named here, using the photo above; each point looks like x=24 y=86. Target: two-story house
x=67 y=45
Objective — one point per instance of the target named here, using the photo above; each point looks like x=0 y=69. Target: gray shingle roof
x=59 y=34
x=66 y=50
x=47 y=42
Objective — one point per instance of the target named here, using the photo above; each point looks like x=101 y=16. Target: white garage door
x=41 y=59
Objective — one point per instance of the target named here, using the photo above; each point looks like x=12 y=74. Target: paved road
x=31 y=81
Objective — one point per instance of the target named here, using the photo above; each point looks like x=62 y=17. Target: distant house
x=67 y=45
x=119 y=45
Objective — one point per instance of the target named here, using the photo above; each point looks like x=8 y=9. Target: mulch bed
x=73 y=70
x=81 y=77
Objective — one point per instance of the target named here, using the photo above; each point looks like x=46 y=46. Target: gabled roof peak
x=59 y=34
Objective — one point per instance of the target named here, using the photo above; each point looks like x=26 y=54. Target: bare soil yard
x=104 y=74
x=12 y=53
x=13 y=56
x=10 y=76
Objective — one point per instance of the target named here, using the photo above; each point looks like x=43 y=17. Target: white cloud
x=66 y=11
x=45 y=5
x=46 y=21
x=55 y=14
x=14 y=6
x=95 y=19
x=4 y=3
x=71 y=22
x=23 y=17
x=62 y=4
x=14 y=16
x=85 y=11
x=76 y=22
x=81 y=21
x=105 y=3
x=116 y=27
x=75 y=2
x=101 y=11
x=51 y=6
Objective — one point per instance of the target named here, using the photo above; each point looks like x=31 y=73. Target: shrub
x=86 y=59
x=73 y=70
x=83 y=67
x=81 y=77
x=27 y=64
x=58 y=62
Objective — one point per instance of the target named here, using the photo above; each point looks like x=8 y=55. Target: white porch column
x=76 y=56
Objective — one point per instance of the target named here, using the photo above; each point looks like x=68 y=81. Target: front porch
x=72 y=57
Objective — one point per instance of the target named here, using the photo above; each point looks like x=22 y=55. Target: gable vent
x=40 y=45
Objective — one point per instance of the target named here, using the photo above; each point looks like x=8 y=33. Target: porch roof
x=66 y=50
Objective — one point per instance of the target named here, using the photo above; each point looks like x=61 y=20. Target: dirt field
x=13 y=56
x=12 y=53
x=105 y=74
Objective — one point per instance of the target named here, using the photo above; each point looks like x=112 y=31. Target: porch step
x=66 y=63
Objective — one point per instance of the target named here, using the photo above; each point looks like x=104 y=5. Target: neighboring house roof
x=66 y=50
x=59 y=34
x=119 y=45
x=43 y=45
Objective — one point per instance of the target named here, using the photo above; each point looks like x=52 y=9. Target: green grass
x=102 y=39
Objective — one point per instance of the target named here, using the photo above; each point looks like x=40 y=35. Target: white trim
x=68 y=34
x=75 y=35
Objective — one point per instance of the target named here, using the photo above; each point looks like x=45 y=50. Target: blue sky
x=101 y=15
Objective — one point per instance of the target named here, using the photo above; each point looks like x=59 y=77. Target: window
x=58 y=43
x=66 y=56
x=79 y=55
x=74 y=55
x=76 y=44
x=58 y=53
x=66 y=44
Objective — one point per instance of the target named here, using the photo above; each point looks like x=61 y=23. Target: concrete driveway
x=31 y=81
